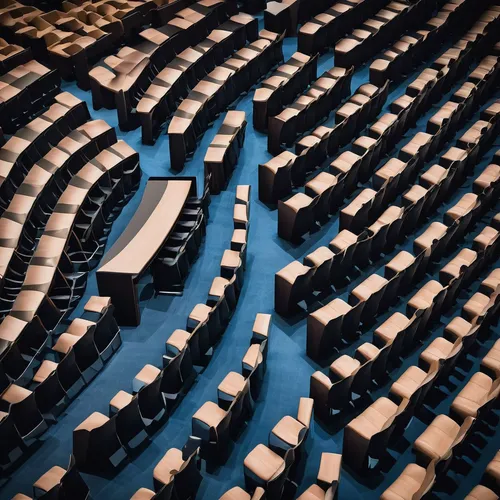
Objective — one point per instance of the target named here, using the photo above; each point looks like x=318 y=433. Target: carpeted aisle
x=289 y=369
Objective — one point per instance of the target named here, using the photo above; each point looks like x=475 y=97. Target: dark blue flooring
x=289 y=369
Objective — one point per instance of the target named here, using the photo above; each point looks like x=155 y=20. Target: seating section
x=183 y=72
x=217 y=90
x=30 y=143
x=365 y=229
x=328 y=27
x=386 y=199
x=44 y=388
x=73 y=239
x=25 y=91
x=222 y=154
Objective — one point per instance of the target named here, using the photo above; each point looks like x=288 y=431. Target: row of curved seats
x=323 y=193
x=207 y=322
x=215 y=424
x=104 y=443
x=365 y=213
x=214 y=92
x=350 y=378
x=24 y=92
x=36 y=197
x=127 y=74
x=12 y=55
x=373 y=34
x=223 y=152
x=429 y=246
x=406 y=395
x=323 y=95
x=30 y=143
x=182 y=74
x=288 y=169
x=75 y=233
x=70 y=365
x=280 y=89
x=59 y=482
x=411 y=49
x=327 y=28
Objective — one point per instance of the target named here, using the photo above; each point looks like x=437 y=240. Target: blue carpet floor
x=289 y=370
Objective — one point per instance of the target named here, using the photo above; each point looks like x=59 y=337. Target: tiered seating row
x=35 y=199
x=222 y=154
x=24 y=91
x=374 y=33
x=327 y=28
x=280 y=89
x=29 y=144
x=214 y=423
x=121 y=83
x=93 y=339
x=323 y=95
x=101 y=442
x=221 y=87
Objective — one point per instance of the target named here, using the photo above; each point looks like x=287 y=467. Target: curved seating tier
x=35 y=199
x=321 y=98
x=282 y=87
x=25 y=90
x=181 y=75
x=164 y=234
x=73 y=238
x=371 y=36
x=222 y=154
x=327 y=28
x=127 y=74
x=218 y=89
x=215 y=424
x=70 y=365
x=29 y=144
